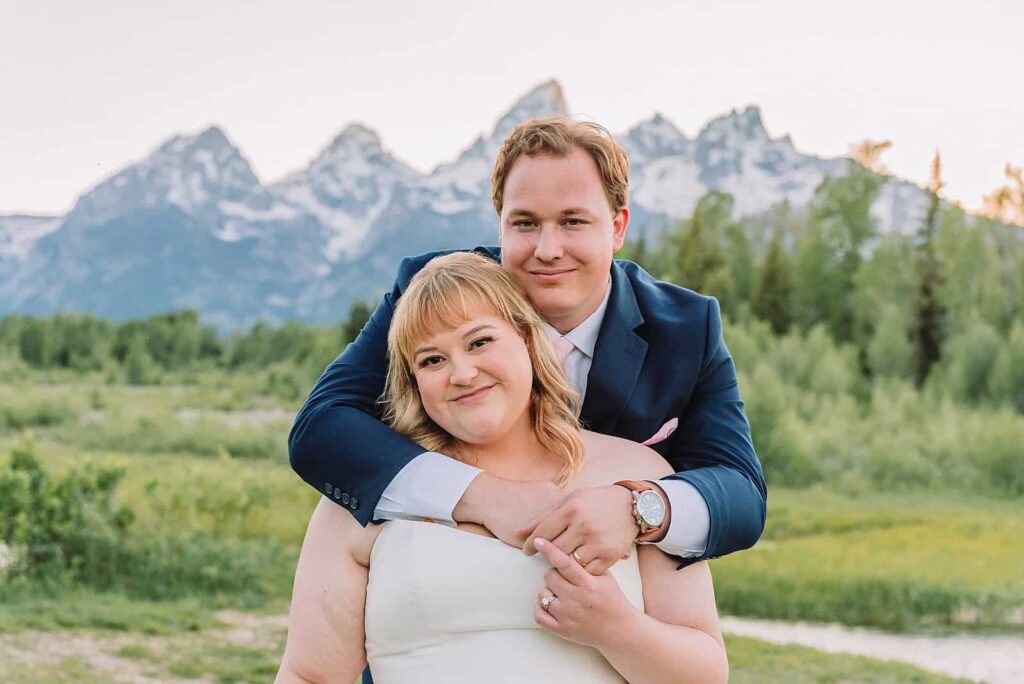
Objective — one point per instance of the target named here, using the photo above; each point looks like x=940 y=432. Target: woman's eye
x=429 y=361
x=479 y=342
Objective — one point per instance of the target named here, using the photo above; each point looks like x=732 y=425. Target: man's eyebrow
x=471 y=331
x=565 y=212
x=521 y=212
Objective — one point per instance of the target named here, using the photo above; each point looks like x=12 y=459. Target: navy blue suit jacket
x=660 y=355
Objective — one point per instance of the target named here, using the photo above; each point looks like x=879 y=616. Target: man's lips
x=550 y=275
x=472 y=395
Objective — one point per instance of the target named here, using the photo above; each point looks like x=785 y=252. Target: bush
x=72 y=530
x=42 y=414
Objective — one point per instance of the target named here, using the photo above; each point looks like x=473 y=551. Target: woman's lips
x=475 y=395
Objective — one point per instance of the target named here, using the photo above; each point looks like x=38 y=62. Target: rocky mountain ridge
x=191 y=225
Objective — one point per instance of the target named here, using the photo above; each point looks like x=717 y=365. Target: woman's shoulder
x=610 y=459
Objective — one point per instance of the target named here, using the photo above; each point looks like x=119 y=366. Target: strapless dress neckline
x=447 y=606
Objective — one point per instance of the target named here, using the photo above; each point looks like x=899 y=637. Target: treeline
x=143 y=351
x=939 y=303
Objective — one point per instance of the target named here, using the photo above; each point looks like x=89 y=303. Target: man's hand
x=502 y=506
x=595 y=522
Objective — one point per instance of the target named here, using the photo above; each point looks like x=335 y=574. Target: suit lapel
x=618 y=357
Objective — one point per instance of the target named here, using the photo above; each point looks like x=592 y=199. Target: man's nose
x=463 y=370
x=549 y=244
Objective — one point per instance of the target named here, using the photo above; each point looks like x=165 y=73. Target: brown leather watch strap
x=638 y=486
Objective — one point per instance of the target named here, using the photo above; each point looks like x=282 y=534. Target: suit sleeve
x=338 y=444
x=714 y=452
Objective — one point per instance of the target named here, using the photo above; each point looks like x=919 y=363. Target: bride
x=472 y=375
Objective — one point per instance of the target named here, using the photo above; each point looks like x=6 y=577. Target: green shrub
x=73 y=530
x=41 y=414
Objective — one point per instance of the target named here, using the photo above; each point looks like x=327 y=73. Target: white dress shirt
x=407 y=497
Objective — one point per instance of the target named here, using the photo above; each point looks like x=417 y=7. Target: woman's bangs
x=439 y=309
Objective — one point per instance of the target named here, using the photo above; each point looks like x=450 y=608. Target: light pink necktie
x=563 y=347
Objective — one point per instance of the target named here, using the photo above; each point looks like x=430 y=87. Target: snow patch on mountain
x=190 y=172
x=19 y=233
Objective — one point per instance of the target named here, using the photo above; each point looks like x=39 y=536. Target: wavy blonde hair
x=445 y=294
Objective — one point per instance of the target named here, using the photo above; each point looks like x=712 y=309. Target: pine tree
x=928 y=312
x=700 y=264
x=772 y=303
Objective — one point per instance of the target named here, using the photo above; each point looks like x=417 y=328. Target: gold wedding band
x=576 y=555
x=545 y=602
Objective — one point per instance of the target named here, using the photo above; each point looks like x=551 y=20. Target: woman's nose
x=463 y=370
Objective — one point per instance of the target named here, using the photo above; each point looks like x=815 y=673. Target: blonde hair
x=558 y=136
x=446 y=293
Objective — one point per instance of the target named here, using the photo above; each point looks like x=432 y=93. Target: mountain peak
x=656 y=135
x=212 y=139
x=546 y=99
x=357 y=137
x=745 y=124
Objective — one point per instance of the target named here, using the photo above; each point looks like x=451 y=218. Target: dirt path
x=106 y=654
x=995 y=659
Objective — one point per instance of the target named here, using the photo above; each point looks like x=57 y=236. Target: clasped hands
x=592 y=527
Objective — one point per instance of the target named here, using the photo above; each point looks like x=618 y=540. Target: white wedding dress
x=447 y=606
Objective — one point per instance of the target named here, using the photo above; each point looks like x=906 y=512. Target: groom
x=648 y=359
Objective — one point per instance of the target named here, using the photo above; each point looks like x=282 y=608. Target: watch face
x=651 y=508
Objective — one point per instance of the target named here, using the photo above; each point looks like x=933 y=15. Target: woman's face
x=475 y=380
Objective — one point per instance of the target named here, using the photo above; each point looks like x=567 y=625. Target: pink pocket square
x=663 y=434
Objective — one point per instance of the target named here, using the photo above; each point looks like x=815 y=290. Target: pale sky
x=88 y=87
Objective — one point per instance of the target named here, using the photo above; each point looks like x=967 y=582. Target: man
x=647 y=357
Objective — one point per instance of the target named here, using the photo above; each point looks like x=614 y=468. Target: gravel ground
x=991 y=659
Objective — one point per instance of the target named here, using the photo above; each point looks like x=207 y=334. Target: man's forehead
x=527 y=210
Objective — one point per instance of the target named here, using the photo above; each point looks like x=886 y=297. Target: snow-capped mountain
x=191 y=225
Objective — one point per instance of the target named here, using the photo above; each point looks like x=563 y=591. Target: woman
x=473 y=376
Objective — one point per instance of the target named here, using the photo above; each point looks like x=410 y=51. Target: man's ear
x=620 y=222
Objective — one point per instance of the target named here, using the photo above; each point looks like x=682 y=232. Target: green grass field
x=219 y=516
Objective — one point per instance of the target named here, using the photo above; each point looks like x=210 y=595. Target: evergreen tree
x=358 y=315
x=700 y=263
x=772 y=302
x=928 y=313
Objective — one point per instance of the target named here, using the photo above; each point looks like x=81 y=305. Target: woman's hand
x=588 y=609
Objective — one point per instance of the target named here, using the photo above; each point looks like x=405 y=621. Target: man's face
x=558 y=235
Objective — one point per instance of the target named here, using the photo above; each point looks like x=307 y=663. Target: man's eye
x=575 y=222
x=524 y=225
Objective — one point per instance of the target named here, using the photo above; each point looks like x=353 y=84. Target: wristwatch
x=649 y=509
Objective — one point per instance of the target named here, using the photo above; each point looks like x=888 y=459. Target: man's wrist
x=471 y=508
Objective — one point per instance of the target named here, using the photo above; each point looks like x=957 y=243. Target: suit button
x=337 y=493
x=328 y=488
x=344 y=498
x=354 y=503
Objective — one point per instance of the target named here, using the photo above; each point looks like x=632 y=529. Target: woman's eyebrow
x=471 y=331
x=424 y=349
x=477 y=329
